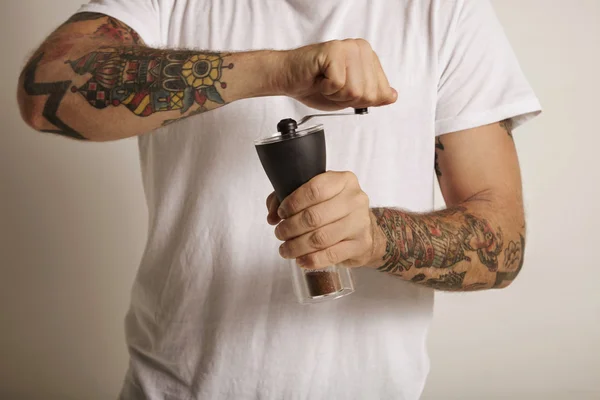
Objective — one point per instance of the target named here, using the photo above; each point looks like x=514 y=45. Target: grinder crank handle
x=357 y=111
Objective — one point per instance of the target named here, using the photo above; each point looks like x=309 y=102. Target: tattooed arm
x=478 y=242
x=94 y=79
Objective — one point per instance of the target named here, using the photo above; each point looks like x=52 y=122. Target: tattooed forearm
x=147 y=81
x=437 y=241
x=420 y=246
x=507 y=125
x=120 y=72
x=438 y=147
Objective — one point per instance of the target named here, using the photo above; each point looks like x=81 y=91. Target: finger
x=319 y=189
x=322 y=238
x=388 y=95
x=354 y=85
x=334 y=72
x=321 y=214
x=340 y=253
x=371 y=95
x=272 y=205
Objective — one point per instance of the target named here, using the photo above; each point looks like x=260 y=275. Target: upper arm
x=479 y=162
x=85 y=30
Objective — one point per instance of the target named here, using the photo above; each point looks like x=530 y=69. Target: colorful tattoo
x=441 y=240
x=143 y=80
x=435 y=241
x=147 y=81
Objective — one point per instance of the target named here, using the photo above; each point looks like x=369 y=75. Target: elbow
x=514 y=258
x=32 y=109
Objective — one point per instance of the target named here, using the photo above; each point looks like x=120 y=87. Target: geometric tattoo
x=434 y=241
x=56 y=92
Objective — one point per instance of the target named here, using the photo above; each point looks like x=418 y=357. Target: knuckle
x=333 y=44
x=310 y=218
x=350 y=177
x=363 y=199
x=312 y=192
x=370 y=97
x=363 y=43
x=318 y=239
x=292 y=205
x=332 y=255
x=353 y=92
x=336 y=83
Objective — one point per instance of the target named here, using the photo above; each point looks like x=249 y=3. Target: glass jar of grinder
x=291 y=158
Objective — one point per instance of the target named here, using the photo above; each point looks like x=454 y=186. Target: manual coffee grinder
x=292 y=157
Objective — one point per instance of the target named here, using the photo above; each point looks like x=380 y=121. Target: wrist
x=254 y=74
x=277 y=72
x=379 y=244
x=270 y=69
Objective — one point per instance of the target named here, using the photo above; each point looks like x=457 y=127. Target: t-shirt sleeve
x=140 y=15
x=480 y=80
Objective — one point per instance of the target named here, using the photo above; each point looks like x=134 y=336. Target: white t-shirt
x=213 y=315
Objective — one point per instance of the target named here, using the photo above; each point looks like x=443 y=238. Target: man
x=212 y=313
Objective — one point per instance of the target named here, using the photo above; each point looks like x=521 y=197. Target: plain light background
x=73 y=227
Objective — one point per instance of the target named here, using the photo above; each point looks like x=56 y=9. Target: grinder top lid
x=288 y=129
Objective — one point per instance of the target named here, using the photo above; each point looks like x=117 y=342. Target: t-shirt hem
x=128 y=19
x=520 y=113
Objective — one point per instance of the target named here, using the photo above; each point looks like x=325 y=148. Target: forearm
x=99 y=85
x=117 y=92
x=477 y=245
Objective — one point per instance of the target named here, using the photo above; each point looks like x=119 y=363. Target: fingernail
x=277 y=232
x=281 y=213
x=282 y=251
